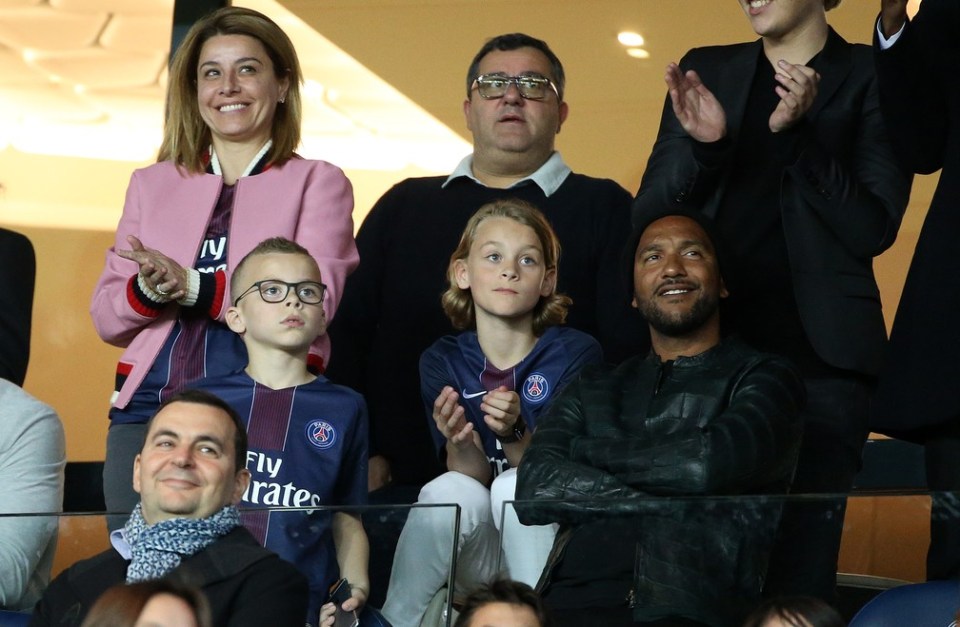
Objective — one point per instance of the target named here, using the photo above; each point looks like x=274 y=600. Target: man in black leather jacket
x=699 y=416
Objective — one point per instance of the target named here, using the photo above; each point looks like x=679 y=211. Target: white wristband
x=193 y=288
x=148 y=291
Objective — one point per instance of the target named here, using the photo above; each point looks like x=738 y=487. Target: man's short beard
x=678 y=325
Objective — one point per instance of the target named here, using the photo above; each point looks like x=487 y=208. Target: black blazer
x=920 y=100
x=841 y=202
x=18 y=268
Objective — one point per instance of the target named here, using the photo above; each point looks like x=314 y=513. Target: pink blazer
x=310 y=202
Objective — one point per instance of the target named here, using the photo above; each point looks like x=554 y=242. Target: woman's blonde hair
x=458 y=303
x=186 y=137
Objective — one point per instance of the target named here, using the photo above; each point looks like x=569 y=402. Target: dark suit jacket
x=920 y=99
x=18 y=269
x=245 y=584
x=841 y=202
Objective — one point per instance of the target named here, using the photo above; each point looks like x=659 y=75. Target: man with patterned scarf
x=190 y=474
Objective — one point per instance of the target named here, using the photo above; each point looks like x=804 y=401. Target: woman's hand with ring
x=162 y=274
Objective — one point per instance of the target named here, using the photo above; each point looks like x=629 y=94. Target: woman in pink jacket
x=226 y=178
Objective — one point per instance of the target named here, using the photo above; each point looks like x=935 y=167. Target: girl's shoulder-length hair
x=457 y=303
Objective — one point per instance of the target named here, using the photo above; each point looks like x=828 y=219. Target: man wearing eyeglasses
x=782 y=143
x=391 y=310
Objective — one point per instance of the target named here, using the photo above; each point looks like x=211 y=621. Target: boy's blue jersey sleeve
x=434 y=375
x=583 y=350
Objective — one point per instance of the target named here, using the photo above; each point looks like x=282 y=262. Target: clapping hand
x=450 y=418
x=162 y=274
x=797 y=91
x=700 y=113
x=502 y=410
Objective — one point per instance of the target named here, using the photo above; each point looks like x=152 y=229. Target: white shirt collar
x=548 y=177
x=215 y=161
x=120 y=544
x=883 y=40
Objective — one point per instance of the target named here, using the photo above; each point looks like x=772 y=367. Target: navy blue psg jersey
x=458 y=361
x=307 y=447
x=198 y=346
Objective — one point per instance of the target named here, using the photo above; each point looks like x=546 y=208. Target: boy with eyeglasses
x=307 y=436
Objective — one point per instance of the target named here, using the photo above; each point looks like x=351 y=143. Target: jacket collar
x=835 y=63
x=695 y=361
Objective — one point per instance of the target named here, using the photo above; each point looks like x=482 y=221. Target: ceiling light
x=74 y=94
x=88 y=141
x=630 y=39
x=638 y=53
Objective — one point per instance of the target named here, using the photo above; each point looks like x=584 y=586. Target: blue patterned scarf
x=157 y=549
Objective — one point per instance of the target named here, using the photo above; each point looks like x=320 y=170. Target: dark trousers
x=942 y=456
x=124 y=441
x=804 y=558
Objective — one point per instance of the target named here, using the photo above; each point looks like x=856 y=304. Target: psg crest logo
x=321 y=434
x=535 y=388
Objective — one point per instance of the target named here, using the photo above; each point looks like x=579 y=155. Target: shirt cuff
x=148 y=291
x=193 y=288
x=885 y=42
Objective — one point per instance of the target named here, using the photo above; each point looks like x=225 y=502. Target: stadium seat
x=931 y=604
x=892 y=466
x=83 y=487
x=13 y=619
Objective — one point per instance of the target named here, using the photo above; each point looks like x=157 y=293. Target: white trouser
x=525 y=548
x=422 y=562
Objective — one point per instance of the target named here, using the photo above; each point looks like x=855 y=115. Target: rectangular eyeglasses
x=493 y=86
x=276 y=291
